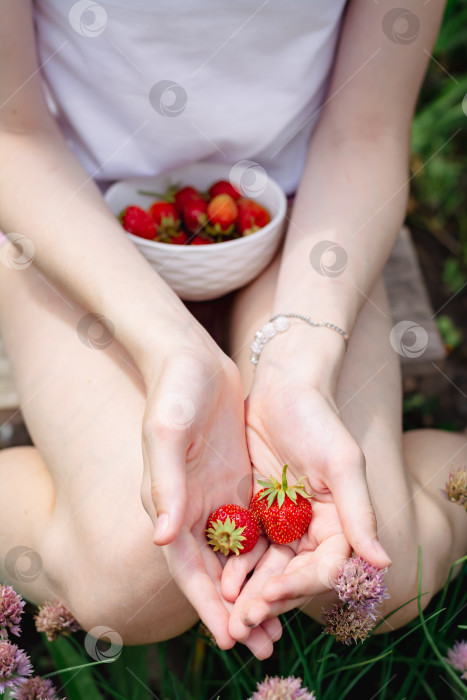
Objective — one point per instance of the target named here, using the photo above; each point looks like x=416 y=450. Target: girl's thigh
x=83 y=401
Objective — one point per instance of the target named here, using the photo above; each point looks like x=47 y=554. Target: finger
x=187 y=564
x=237 y=569
x=273 y=628
x=259 y=643
x=273 y=562
x=258 y=611
x=316 y=574
x=352 y=499
x=260 y=640
x=164 y=454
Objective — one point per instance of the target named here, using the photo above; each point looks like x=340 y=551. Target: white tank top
x=144 y=86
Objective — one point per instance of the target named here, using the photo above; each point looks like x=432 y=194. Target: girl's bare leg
x=75 y=498
x=405 y=472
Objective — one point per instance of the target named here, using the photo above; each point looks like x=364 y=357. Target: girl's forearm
x=47 y=197
x=352 y=195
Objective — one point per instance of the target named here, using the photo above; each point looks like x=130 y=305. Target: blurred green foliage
x=438 y=146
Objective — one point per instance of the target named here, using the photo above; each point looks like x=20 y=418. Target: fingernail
x=162 y=523
x=380 y=549
x=248 y=623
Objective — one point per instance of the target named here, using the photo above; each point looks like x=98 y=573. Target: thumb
x=350 y=492
x=164 y=459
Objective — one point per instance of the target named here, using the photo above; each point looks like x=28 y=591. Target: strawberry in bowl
x=213 y=238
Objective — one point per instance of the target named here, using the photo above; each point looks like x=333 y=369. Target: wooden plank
x=409 y=301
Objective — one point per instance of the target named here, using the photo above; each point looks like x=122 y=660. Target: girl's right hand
x=196 y=459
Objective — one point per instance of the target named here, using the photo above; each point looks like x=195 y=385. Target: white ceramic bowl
x=197 y=273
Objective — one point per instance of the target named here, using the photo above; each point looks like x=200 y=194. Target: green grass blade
x=81 y=685
x=431 y=642
x=373 y=660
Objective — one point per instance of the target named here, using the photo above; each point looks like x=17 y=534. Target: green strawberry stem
x=225 y=536
x=157 y=195
x=169 y=196
x=275 y=489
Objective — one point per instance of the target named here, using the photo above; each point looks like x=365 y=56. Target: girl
x=254 y=77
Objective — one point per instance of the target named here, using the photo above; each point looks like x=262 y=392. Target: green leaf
x=454 y=275
x=81 y=684
x=280 y=498
x=450 y=333
x=130 y=674
x=266 y=484
x=454 y=677
x=291 y=493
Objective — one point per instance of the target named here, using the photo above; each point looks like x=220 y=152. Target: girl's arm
x=355 y=184
x=48 y=198
x=352 y=194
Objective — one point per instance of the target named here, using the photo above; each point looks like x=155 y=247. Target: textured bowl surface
x=198 y=273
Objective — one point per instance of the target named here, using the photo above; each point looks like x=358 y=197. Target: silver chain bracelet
x=279 y=324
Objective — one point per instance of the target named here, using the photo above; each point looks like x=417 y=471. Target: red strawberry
x=199 y=240
x=251 y=216
x=194 y=214
x=222 y=214
x=165 y=216
x=180 y=239
x=232 y=528
x=223 y=187
x=137 y=221
x=284 y=512
x=183 y=196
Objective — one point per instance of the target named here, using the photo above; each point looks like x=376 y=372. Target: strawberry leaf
x=266 y=484
x=271 y=499
x=280 y=498
x=292 y=495
x=303 y=493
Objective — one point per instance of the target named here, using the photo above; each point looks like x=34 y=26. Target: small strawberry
x=251 y=216
x=200 y=240
x=223 y=187
x=165 y=216
x=194 y=214
x=232 y=528
x=180 y=239
x=184 y=195
x=284 y=512
x=222 y=214
x=138 y=222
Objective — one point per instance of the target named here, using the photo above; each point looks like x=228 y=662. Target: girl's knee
x=124 y=585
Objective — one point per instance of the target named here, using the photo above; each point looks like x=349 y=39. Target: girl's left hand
x=286 y=576
x=296 y=424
